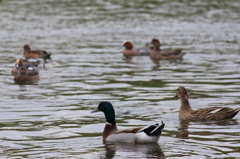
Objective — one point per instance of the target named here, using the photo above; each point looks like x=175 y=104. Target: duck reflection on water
x=142 y=150
x=184 y=131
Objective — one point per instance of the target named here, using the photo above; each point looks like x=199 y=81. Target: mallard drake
x=129 y=51
x=148 y=134
x=35 y=53
x=158 y=54
x=24 y=76
x=30 y=66
x=214 y=113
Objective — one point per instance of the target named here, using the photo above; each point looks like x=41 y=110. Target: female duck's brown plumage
x=35 y=53
x=30 y=66
x=213 y=113
x=157 y=54
x=129 y=51
x=24 y=76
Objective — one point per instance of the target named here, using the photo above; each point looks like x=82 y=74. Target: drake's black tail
x=154 y=130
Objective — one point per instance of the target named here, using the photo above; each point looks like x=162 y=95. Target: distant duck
x=25 y=75
x=30 y=66
x=212 y=113
x=28 y=53
x=142 y=51
x=158 y=54
x=35 y=53
x=148 y=134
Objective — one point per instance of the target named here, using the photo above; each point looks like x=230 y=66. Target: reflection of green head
x=107 y=109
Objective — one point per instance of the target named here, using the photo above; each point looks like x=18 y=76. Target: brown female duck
x=213 y=113
x=24 y=76
x=157 y=54
x=129 y=51
x=30 y=66
x=35 y=53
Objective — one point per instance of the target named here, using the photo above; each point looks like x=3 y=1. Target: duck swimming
x=142 y=51
x=148 y=134
x=28 y=53
x=24 y=76
x=157 y=54
x=213 y=113
x=30 y=66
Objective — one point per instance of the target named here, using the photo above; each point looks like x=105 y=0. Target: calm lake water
x=51 y=118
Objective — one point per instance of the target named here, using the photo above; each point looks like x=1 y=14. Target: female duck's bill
x=148 y=134
x=213 y=113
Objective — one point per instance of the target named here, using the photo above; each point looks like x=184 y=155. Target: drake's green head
x=107 y=109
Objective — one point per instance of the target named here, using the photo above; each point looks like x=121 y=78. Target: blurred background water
x=51 y=118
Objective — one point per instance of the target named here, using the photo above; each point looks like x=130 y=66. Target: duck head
x=156 y=43
x=128 y=45
x=26 y=48
x=182 y=93
x=107 y=109
x=18 y=63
